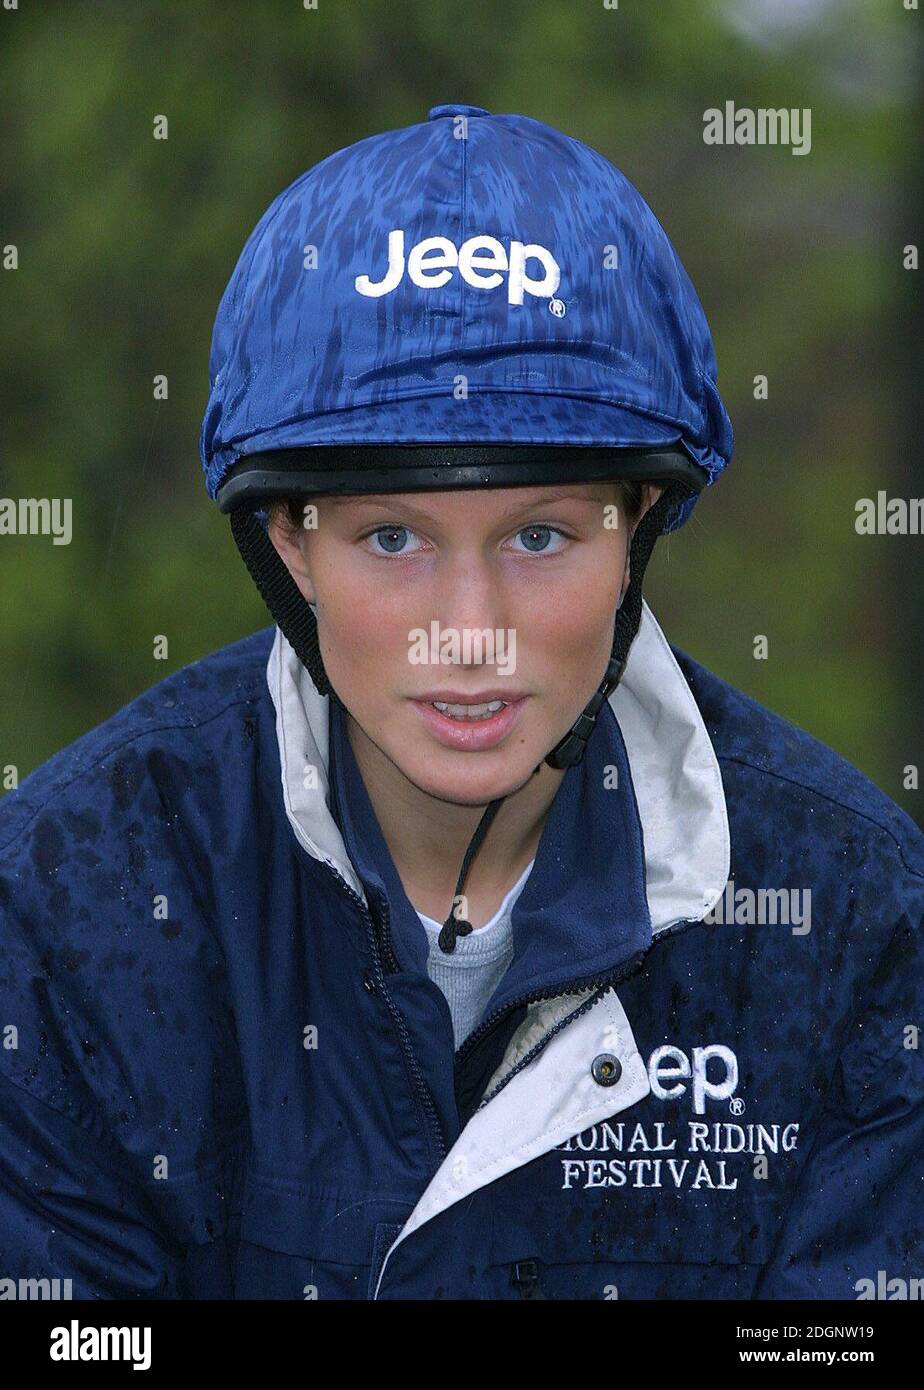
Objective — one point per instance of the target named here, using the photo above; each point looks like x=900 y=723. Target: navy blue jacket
x=226 y=1074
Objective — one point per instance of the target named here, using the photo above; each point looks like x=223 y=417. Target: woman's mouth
x=470 y=711
x=470 y=726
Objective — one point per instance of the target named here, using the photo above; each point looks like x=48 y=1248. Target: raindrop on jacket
x=226 y=1073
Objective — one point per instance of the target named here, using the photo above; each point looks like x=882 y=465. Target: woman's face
x=515 y=588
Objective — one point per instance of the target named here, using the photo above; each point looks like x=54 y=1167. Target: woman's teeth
x=470 y=711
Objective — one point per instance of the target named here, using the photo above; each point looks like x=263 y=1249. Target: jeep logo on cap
x=482 y=262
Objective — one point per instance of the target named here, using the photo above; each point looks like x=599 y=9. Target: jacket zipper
x=594 y=982
x=431 y=1121
x=422 y=1091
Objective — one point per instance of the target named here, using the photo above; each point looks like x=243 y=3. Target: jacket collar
x=640 y=827
x=583 y=909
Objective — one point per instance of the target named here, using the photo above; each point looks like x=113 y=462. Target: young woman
x=457 y=936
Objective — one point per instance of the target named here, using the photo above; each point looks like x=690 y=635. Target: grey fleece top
x=469 y=976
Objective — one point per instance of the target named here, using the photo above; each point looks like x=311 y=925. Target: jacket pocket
x=614 y=1280
x=637 y=1246
x=306 y=1243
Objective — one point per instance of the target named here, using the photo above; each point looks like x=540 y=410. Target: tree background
x=125 y=245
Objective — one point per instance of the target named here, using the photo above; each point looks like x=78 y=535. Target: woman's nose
x=468 y=594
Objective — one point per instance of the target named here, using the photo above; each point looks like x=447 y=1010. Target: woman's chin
x=453 y=778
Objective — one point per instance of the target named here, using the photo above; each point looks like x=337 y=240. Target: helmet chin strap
x=297 y=622
x=288 y=606
x=570 y=749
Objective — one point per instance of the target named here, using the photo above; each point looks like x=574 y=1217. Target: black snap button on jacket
x=606 y=1069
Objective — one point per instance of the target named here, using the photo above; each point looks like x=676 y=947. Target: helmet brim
x=258 y=478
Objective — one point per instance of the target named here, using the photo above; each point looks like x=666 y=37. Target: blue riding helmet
x=473 y=301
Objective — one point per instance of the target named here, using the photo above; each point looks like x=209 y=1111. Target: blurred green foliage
x=126 y=242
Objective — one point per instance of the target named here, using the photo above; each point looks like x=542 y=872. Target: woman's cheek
x=364 y=637
x=570 y=643
x=574 y=624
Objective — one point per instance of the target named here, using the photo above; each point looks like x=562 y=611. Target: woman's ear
x=650 y=495
x=652 y=491
x=291 y=544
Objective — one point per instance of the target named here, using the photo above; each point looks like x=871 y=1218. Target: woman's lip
x=461 y=697
x=472 y=735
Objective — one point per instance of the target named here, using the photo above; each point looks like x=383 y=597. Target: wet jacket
x=225 y=1072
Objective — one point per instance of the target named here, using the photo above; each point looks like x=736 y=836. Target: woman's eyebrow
x=547 y=497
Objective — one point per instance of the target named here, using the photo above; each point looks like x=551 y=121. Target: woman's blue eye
x=401 y=540
x=536 y=538
x=392 y=539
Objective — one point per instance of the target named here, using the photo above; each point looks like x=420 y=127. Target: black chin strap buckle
x=569 y=750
